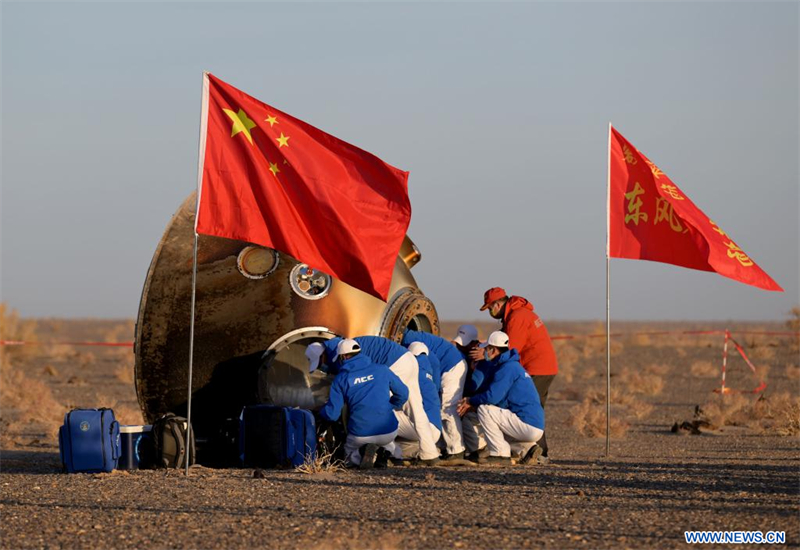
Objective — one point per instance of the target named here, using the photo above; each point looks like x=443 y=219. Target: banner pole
x=608 y=299
x=200 y=158
x=725 y=359
x=608 y=356
x=191 y=359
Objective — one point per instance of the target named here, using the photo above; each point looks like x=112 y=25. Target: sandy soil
x=655 y=485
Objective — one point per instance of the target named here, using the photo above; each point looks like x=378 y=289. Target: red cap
x=492 y=295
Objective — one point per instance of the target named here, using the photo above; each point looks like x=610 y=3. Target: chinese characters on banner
x=650 y=218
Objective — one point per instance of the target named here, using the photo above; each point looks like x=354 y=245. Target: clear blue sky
x=499 y=111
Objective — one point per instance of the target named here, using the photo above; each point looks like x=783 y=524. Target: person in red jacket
x=528 y=335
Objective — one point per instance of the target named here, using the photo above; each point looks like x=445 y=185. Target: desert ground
x=739 y=470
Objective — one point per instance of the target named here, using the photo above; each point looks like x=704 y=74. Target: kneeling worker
x=453 y=372
x=508 y=408
x=372 y=394
x=430 y=396
x=400 y=361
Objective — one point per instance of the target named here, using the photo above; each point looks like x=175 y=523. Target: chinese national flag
x=650 y=218
x=273 y=180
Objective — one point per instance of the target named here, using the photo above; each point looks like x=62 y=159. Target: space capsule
x=256 y=311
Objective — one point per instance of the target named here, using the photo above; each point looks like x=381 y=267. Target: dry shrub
x=28 y=401
x=704 y=369
x=793 y=323
x=622 y=398
x=642 y=340
x=85 y=358
x=762 y=353
x=596 y=346
x=122 y=332
x=793 y=371
x=320 y=463
x=124 y=373
x=12 y=327
x=681 y=352
x=618 y=396
x=589 y=419
x=567 y=357
x=658 y=369
x=647 y=384
x=570 y=393
x=126 y=413
x=591 y=370
x=639 y=409
x=129 y=415
x=62 y=352
x=777 y=414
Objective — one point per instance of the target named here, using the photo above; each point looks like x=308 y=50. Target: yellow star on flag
x=240 y=123
x=272 y=121
x=283 y=140
x=273 y=167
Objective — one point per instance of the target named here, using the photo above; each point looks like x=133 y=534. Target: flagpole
x=191 y=358
x=608 y=298
x=200 y=158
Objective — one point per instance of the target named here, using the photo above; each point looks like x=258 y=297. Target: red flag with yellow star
x=273 y=180
x=650 y=218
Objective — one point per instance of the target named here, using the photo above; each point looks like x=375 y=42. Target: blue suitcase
x=276 y=437
x=89 y=441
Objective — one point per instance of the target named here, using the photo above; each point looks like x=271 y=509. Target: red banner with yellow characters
x=650 y=218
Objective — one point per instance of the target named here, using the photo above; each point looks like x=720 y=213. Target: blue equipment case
x=276 y=437
x=89 y=441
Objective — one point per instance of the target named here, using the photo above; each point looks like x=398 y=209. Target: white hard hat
x=418 y=348
x=314 y=353
x=348 y=345
x=466 y=335
x=498 y=339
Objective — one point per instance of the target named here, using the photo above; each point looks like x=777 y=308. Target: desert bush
x=62 y=352
x=320 y=463
x=28 y=401
x=591 y=369
x=793 y=371
x=122 y=332
x=595 y=346
x=776 y=414
x=567 y=357
x=125 y=412
x=618 y=396
x=659 y=369
x=761 y=353
x=50 y=370
x=13 y=327
x=728 y=409
x=589 y=419
x=793 y=323
x=704 y=369
x=637 y=382
x=639 y=409
x=124 y=373
x=570 y=393
x=85 y=358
